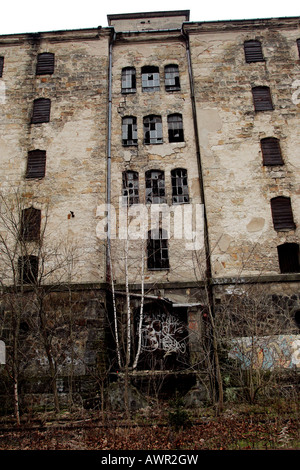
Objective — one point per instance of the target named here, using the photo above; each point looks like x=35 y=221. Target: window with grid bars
x=262 y=98
x=36 y=164
x=172 y=82
x=253 y=51
x=28 y=267
x=129 y=131
x=41 y=110
x=1 y=65
x=288 y=257
x=45 y=63
x=155 y=187
x=157 y=249
x=30 y=224
x=180 y=190
x=271 y=151
x=128 y=80
x=130 y=190
x=153 y=130
x=175 y=128
x=282 y=213
x=150 y=78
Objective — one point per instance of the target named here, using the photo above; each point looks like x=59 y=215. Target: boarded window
x=157 y=249
x=271 y=151
x=298 y=44
x=130 y=193
x=45 y=64
x=282 y=213
x=150 y=78
x=28 y=269
x=1 y=65
x=172 y=82
x=253 y=51
x=155 y=187
x=180 y=190
x=41 y=110
x=153 y=130
x=36 y=164
x=262 y=98
x=129 y=131
x=128 y=80
x=288 y=256
x=30 y=224
x=175 y=128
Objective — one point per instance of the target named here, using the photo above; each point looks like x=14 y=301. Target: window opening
x=153 y=130
x=155 y=187
x=1 y=65
x=36 y=164
x=150 y=78
x=130 y=187
x=253 y=51
x=30 y=224
x=128 y=80
x=288 y=255
x=28 y=269
x=282 y=213
x=129 y=131
x=157 y=249
x=175 y=128
x=41 y=110
x=45 y=64
x=180 y=190
x=262 y=98
x=271 y=151
x=172 y=82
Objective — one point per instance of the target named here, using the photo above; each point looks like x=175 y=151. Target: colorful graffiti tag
x=267 y=352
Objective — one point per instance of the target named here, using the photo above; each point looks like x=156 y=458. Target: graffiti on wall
x=163 y=332
x=267 y=352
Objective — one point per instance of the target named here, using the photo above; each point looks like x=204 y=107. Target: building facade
x=159 y=159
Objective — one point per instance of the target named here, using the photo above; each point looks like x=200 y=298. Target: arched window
x=155 y=187
x=157 y=249
x=153 y=130
x=129 y=131
x=175 y=128
x=172 y=82
x=253 y=51
x=180 y=189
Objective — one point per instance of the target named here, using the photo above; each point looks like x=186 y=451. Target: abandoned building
x=193 y=126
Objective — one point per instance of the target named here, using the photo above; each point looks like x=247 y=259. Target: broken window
x=180 y=190
x=262 y=98
x=157 y=249
x=28 y=269
x=155 y=187
x=271 y=151
x=41 y=110
x=45 y=63
x=30 y=224
x=172 y=82
x=175 y=128
x=288 y=256
x=153 y=130
x=36 y=164
x=253 y=51
x=129 y=131
x=282 y=213
x=150 y=78
x=128 y=80
x=1 y=65
x=130 y=191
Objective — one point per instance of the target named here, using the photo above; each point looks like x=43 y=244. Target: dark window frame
x=153 y=133
x=157 y=250
x=45 y=63
x=28 y=268
x=30 y=224
x=253 y=51
x=288 y=258
x=130 y=187
x=282 y=213
x=180 y=189
x=172 y=78
x=271 y=151
x=128 y=80
x=41 y=111
x=155 y=187
x=129 y=131
x=150 y=78
x=175 y=128
x=36 y=164
x=262 y=98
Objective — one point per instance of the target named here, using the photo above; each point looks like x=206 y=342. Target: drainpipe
x=108 y=173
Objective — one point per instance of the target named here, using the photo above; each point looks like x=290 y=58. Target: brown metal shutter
x=1 y=65
x=282 y=213
x=41 y=110
x=30 y=224
x=45 y=64
x=271 y=151
x=36 y=164
x=262 y=98
x=288 y=255
x=253 y=51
